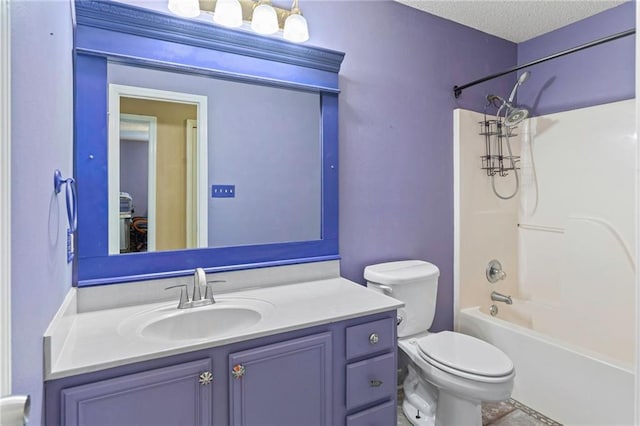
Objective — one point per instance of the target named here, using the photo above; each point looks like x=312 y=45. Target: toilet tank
x=414 y=282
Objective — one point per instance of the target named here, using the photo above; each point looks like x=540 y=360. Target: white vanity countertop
x=77 y=343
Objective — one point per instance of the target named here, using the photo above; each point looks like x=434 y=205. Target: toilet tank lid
x=400 y=272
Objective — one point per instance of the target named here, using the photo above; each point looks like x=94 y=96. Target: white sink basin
x=225 y=317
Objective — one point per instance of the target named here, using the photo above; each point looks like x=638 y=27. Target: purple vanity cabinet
x=288 y=383
x=371 y=378
x=175 y=395
x=336 y=374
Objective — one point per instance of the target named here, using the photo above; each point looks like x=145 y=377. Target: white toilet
x=449 y=374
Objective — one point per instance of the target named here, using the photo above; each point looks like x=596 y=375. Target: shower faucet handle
x=494 y=272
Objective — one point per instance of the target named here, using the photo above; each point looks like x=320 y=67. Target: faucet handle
x=209 y=289
x=184 y=297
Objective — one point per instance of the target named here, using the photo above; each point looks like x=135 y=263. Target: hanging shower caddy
x=495 y=161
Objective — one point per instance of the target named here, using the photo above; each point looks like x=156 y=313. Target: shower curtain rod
x=457 y=90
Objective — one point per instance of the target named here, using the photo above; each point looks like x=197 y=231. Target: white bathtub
x=571 y=385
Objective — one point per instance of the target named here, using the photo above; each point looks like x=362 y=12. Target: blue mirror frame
x=115 y=32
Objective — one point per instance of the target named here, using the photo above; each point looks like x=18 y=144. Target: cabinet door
x=165 y=396
x=284 y=384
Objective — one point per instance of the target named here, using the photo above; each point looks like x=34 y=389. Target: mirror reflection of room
x=213 y=135
x=156 y=175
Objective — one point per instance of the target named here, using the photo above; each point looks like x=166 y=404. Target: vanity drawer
x=369 y=338
x=380 y=415
x=371 y=380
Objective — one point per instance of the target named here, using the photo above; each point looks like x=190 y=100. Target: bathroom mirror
x=235 y=185
x=244 y=176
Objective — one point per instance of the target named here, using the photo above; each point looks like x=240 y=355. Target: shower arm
x=457 y=90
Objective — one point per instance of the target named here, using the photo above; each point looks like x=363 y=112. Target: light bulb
x=185 y=8
x=228 y=13
x=265 y=20
x=295 y=28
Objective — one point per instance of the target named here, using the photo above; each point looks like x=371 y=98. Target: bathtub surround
x=562 y=238
x=569 y=232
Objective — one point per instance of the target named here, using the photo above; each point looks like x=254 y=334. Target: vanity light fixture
x=295 y=27
x=265 y=19
x=185 y=8
x=261 y=14
x=228 y=13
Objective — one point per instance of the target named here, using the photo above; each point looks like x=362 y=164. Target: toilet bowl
x=452 y=388
x=449 y=374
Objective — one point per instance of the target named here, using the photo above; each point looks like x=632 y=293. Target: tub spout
x=497 y=297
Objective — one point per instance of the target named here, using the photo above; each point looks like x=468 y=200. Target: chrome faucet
x=197 y=299
x=497 y=297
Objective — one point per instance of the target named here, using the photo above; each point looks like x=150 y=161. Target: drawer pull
x=375 y=383
x=374 y=338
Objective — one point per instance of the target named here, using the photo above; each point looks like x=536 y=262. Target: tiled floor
x=512 y=412
x=504 y=413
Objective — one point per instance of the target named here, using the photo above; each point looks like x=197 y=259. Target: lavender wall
x=396 y=151
x=395 y=136
x=598 y=75
x=41 y=142
x=396 y=126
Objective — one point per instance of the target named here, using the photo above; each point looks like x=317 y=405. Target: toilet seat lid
x=464 y=353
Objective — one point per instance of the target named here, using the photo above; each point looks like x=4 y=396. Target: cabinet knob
x=374 y=338
x=205 y=378
x=375 y=383
x=237 y=371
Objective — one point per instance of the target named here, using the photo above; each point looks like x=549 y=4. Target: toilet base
x=420 y=399
x=427 y=405
x=415 y=417
x=453 y=410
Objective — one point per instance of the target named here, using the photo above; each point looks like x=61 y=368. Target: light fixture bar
x=247 y=10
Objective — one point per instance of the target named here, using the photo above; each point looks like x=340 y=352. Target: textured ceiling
x=514 y=20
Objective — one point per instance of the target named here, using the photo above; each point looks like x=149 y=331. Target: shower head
x=515 y=116
x=521 y=80
x=512 y=114
x=492 y=99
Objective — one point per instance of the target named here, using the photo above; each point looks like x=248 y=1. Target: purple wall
x=396 y=128
x=396 y=107
x=598 y=75
x=41 y=142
